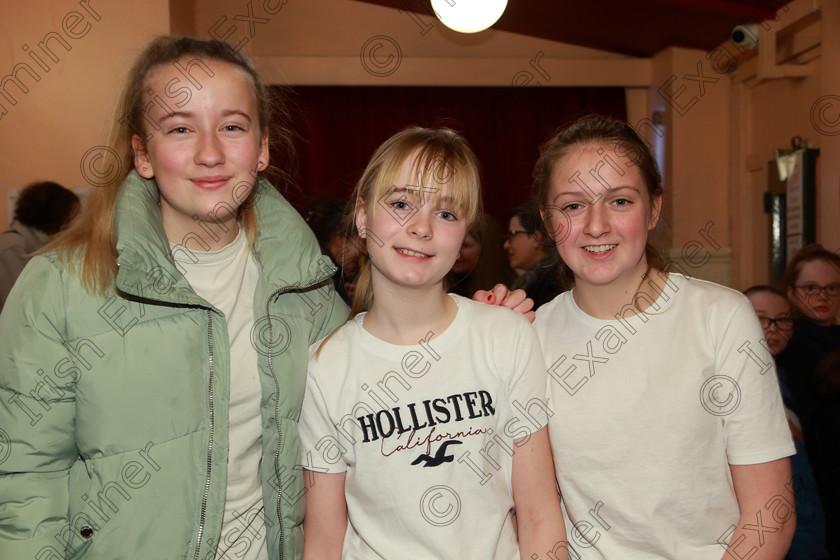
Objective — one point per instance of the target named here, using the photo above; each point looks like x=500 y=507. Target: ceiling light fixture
x=469 y=16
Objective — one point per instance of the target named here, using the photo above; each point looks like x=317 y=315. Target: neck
x=405 y=316
x=637 y=293
x=212 y=236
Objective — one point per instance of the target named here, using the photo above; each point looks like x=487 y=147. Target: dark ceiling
x=630 y=27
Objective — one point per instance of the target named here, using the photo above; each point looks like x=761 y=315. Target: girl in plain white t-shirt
x=668 y=433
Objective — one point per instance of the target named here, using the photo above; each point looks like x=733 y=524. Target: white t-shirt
x=650 y=411
x=227 y=278
x=425 y=433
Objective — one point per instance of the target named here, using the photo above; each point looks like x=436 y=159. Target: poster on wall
x=800 y=199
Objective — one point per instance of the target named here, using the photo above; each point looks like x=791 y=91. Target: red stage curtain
x=339 y=128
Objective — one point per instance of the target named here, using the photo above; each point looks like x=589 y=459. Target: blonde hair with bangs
x=440 y=158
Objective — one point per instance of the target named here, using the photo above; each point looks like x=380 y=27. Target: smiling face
x=770 y=308
x=206 y=154
x=606 y=219
x=413 y=236
x=810 y=295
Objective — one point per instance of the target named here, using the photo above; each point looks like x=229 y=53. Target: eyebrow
x=417 y=192
x=190 y=114
x=611 y=189
x=176 y=114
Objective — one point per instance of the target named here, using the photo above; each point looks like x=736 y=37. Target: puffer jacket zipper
x=210 y=443
x=277 y=405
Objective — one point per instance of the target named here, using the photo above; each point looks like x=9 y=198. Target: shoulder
x=44 y=269
x=483 y=315
x=334 y=347
x=11 y=239
x=547 y=312
x=712 y=298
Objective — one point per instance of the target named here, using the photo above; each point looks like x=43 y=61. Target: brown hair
x=89 y=244
x=595 y=129
x=808 y=253
x=440 y=156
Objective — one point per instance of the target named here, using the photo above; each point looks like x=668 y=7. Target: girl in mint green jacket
x=152 y=360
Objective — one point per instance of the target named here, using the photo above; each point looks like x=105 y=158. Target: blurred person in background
x=530 y=251
x=42 y=210
x=812 y=364
x=481 y=261
x=809 y=539
x=325 y=217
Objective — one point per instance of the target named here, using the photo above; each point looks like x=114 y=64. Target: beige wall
x=713 y=144
x=769 y=106
x=45 y=135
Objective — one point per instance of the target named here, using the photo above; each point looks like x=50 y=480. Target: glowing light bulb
x=469 y=16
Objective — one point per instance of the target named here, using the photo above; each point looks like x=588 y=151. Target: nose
x=597 y=222
x=506 y=244
x=420 y=224
x=209 y=151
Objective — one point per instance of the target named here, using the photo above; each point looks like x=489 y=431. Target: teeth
x=411 y=253
x=599 y=248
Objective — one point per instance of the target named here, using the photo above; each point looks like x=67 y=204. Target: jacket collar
x=285 y=248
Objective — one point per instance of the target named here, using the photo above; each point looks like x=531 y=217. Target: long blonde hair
x=88 y=246
x=439 y=156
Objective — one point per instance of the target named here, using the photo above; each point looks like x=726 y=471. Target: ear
x=361 y=218
x=655 y=210
x=142 y=162
x=264 y=151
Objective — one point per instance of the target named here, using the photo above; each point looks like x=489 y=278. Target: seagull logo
x=440 y=457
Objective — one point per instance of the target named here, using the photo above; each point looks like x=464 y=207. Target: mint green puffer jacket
x=114 y=410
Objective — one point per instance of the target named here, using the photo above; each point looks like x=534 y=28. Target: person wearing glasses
x=532 y=254
x=812 y=363
x=809 y=540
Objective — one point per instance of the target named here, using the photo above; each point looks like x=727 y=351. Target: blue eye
x=448 y=216
x=400 y=205
x=180 y=130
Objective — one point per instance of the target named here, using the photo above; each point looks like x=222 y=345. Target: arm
x=517 y=300
x=768 y=518
x=539 y=519
x=326 y=515
x=37 y=420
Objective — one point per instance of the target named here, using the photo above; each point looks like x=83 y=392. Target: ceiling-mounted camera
x=745 y=35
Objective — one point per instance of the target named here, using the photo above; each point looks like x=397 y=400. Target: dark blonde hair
x=89 y=245
x=591 y=130
x=438 y=157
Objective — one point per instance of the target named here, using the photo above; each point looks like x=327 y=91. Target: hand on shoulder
x=517 y=300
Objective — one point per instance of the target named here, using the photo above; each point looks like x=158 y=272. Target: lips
x=211 y=182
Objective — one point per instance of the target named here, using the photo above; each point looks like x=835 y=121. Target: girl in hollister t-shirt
x=423 y=425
